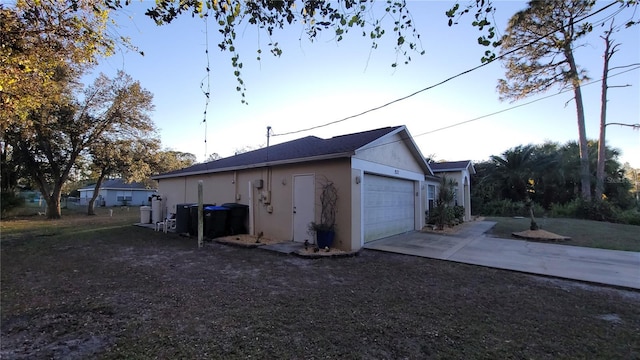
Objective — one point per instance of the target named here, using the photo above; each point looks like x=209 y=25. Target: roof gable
x=299 y=150
x=400 y=135
x=453 y=166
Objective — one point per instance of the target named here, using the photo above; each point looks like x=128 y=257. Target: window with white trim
x=124 y=196
x=431 y=196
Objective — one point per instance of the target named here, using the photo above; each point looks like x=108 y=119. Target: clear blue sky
x=316 y=83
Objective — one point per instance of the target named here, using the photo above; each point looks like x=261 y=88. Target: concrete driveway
x=470 y=245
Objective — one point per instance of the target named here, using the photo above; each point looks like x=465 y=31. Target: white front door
x=304 y=196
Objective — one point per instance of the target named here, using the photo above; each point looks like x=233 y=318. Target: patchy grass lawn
x=109 y=291
x=73 y=220
x=587 y=233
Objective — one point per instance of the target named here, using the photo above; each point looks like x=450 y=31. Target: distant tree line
x=548 y=175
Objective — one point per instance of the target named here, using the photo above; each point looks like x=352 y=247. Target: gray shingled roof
x=117 y=184
x=451 y=166
x=302 y=149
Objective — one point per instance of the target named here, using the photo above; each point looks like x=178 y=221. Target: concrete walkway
x=471 y=246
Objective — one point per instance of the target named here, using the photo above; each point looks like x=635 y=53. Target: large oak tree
x=51 y=141
x=46 y=46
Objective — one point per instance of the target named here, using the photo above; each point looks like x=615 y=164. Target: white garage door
x=388 y=207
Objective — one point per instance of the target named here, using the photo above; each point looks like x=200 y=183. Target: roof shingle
x=449 y=165
x=306 y=147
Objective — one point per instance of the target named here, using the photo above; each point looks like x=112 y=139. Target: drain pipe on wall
x=200 y=215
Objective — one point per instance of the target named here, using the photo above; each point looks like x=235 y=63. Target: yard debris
x=246 y=240
x=314 y=252
x=541 y=235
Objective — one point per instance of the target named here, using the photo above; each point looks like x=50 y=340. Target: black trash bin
x=215 y=221
x=237 y=219
x=193 y=221
x=183 y=218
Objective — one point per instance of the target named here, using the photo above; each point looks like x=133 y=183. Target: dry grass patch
x=128 y=293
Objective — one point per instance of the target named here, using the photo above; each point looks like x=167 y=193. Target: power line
x=520 y=105
x=443 y=81
x=206 y=92
x=503 y=110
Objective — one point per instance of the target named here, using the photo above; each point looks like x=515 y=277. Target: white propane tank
x=156 y=209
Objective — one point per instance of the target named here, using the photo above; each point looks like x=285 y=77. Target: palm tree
x=515 y=168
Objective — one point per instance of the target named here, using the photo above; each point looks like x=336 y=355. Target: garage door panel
x=388 y=206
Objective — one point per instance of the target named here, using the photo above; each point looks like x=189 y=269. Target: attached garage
x=380 y=174
x=388 y=206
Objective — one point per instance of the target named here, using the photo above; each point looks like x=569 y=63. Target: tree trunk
x=608 y=52
x=533 y=225
x=601 y=143
x=96 y=191
x=53 y=204
x=585 y=173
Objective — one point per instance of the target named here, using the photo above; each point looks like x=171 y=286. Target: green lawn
x=587 y=233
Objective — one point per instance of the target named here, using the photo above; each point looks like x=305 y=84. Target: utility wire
x=520 y=105
x=505 y=110
x=443 y=81
x=207 y=91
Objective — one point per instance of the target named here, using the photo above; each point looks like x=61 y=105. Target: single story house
x=116 y=192
x=381 y=177
x=460 y=172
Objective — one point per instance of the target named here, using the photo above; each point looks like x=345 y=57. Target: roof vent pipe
x=268 y=136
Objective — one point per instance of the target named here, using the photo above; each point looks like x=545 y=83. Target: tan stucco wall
x=391 y=151
x=386 y=157
x=220 y=188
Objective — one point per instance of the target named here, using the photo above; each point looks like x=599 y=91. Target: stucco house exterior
x=116 y=192
x=381 y=177
x=460 y=172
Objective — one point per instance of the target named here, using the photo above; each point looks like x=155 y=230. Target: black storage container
x=215 y=221
x=237 y=219
x=193 y=221
x=183 y=218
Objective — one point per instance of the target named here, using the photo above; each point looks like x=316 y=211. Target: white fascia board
x=385 y=170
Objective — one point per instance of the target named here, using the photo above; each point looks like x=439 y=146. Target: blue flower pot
x=324 y=238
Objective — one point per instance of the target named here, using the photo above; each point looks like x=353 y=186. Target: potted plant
x=325 y=230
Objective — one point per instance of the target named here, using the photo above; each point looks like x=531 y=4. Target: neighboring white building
x=116 y=192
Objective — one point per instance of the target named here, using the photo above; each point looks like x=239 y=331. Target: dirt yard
x=123 y=292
